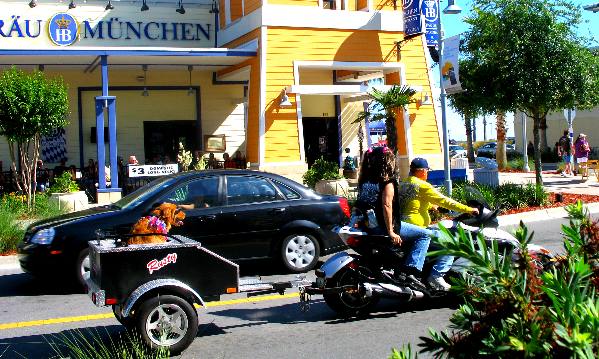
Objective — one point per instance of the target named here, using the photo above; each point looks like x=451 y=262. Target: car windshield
x=141 y=194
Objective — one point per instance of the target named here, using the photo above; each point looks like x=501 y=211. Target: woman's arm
x=387 y=196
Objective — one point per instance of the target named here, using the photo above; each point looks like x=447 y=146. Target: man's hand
x=474 y=211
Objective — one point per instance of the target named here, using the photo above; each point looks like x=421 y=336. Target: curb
x=12 y=262
x=9 y=262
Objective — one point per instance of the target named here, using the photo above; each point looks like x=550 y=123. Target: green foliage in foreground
x=516 y=309
x=13 y=209
x=93 y=344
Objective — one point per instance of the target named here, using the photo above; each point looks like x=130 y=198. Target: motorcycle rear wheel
x=349 y=303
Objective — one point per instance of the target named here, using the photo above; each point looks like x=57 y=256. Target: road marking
x=81 y=318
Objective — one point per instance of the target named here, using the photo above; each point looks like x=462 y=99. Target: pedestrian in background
x=582 y=150
x=564 y=150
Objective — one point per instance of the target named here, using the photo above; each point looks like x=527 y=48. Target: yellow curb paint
x=82 y=318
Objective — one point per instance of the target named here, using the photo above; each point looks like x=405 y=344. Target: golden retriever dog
x=159 y=222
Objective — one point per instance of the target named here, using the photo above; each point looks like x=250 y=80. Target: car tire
x=300 y=252
x=163 y=313
x=82 y=266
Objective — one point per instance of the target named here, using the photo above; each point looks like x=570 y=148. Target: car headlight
x=44 y=236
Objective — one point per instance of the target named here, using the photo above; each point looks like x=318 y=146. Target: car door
x=253 y=213
x=201 y=200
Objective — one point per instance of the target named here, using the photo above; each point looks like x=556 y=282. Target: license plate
x=320 y=282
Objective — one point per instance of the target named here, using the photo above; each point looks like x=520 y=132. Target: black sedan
x=239 y=214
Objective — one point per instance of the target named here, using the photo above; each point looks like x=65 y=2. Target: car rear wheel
x=300 y=252
x=82 y=267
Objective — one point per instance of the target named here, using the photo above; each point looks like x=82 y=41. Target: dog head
x=170 y=214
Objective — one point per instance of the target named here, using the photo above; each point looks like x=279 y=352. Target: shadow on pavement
x=23 y=284
x=290 y=313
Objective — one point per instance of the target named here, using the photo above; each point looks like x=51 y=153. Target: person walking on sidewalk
x=564 y=150
x=582 y=150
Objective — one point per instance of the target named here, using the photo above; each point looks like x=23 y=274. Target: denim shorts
x=567 y=158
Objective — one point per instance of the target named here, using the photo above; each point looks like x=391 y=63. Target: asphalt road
x=33 y=314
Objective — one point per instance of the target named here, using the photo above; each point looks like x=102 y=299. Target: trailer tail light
x=353 y=265
x=231 y=290
x=344 y=204
x=352 y=241
x=55 y=252
x=110 y=301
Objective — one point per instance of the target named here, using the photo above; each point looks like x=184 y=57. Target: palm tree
x=384 y=106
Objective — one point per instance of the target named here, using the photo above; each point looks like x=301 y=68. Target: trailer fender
x=145 y=288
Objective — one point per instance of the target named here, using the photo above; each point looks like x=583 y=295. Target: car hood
x=91 y=213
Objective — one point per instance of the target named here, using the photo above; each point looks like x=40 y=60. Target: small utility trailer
x=153 y=288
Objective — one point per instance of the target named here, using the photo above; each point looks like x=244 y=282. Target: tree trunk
x=469 y=132
x=391 y=133
x=543 y=129
x=537 y=145
x=500 y=151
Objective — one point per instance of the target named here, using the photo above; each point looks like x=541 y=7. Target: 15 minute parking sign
x=152 y=170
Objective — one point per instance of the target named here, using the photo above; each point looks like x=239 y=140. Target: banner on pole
x=451 y=65
x=430 y=10
x=413 y=21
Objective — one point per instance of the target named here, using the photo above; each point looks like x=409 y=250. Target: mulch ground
x=567 y=198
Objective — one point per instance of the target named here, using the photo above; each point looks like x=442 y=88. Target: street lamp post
x=451 y=8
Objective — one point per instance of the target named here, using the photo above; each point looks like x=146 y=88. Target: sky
x=454 y=24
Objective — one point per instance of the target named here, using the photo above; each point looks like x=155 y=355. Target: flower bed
x=567 y=198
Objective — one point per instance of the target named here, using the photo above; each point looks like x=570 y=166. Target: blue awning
x=377 y=126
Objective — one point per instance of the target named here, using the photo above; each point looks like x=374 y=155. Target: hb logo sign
x=63 y=29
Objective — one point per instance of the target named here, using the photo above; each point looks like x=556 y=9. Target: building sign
x=430 y=10
x=63 y=29
x=50 y=25
x=152 y=170
x=451 y=65
x=413 y=21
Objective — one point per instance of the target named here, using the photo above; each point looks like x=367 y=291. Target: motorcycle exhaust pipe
x=391 y=291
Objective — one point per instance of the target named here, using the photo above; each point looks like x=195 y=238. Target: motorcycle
x=352 y=283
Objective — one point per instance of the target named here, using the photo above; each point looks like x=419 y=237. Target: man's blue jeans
x=442 y=264
x=420 y=238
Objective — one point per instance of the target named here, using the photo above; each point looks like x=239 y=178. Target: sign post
x=569 y=114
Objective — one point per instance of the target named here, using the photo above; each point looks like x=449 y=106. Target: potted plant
x=324 y=177
x=66 y=194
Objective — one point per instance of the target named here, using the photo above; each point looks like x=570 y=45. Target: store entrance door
x=162 y=138
x=321 y=138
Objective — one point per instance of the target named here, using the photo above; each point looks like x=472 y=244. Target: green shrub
x=10 y=232
x=321 y=170
x=64 y=184
x=13 y=210
x=505 y=196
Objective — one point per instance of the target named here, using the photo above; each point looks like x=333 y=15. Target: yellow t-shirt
x=415 y=198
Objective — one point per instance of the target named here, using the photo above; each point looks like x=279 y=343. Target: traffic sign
x=572 y=114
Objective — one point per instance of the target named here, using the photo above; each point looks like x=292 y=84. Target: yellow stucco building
x=222 y=68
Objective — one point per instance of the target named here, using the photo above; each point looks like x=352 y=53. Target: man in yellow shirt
x=416 y=197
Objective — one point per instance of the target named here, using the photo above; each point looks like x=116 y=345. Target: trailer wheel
x=300 y=252
x=167 y=321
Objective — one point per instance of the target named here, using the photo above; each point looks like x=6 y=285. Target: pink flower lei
x=157 y=224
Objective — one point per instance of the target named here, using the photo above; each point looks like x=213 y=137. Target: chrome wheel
x=300 y=252
x=167 y=324
x=85 y=266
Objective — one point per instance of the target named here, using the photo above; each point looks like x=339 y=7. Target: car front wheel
x=82 y=267
x=300 y=252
